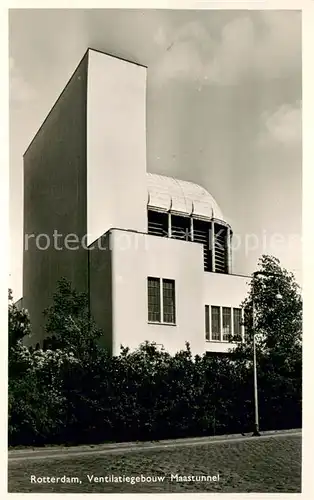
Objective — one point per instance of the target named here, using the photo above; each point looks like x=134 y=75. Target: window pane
x=237 y=320
x=226 y=323
x=207 y=322
x=201 y=234
x=169 y=301
x=220 y=249
x=153 y=290
x=215 y=323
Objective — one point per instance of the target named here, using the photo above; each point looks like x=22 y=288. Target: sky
x=224 y=95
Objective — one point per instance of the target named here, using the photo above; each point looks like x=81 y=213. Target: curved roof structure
x=167 y=193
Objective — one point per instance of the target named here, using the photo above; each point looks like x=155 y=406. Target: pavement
x=62 y=452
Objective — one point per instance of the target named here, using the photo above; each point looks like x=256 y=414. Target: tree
x=68 y=322
x=19 y=323
x=35 y=400
x=18 y=329
x=278 y=334
x=277 y=321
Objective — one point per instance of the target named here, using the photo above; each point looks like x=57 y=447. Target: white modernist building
x=157 y=264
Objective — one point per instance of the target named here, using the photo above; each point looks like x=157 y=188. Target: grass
x=265 y=466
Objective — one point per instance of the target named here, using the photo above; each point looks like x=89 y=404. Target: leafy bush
x=144 y=395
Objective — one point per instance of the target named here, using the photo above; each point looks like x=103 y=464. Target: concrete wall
x=135 y=257
x=55 y=199
x=100 y=287
x=116 y=145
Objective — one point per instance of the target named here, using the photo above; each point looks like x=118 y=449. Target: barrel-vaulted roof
x=168 y=193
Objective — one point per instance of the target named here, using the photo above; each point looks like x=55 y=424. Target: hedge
x=146 y=395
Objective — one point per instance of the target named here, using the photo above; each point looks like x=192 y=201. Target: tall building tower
x=152 y=252
x=86 y=164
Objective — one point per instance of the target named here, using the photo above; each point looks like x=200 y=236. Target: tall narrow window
x=168 y=301
x=215 y=323
x=237 y=322
x=226 y=323
x=207 y=323
x=153 y=291
x=201 y=233
x=221 y=249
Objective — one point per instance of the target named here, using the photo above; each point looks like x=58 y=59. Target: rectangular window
x=226 y=323
x=161 y=300
x=207 y=323
x=168 y=301
x=215 y=322
x=220 y=248
x=237 y=323
x=154 y=307
x=201 y=234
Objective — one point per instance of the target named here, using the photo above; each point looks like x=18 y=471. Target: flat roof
x=66 y=85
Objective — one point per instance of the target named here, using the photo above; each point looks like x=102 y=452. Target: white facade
x=156 y=228
x=116 y=145
x=137 y=256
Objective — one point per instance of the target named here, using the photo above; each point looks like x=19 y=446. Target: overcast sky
x=223 y=109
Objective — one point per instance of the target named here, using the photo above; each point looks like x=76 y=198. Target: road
x=122 y=448
x=244 y=464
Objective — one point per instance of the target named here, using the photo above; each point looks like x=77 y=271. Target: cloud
x=279 y=50
x=267 y=45
x=182 y=55
x=20 y=89
x=283 y=126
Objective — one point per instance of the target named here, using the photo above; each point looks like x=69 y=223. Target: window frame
x=209 y=319
x=207 y=322
x=173 y=298
x=161 y=302
x=211 y=323
x=230 y=318
x=151 y=279
x=240 y=310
